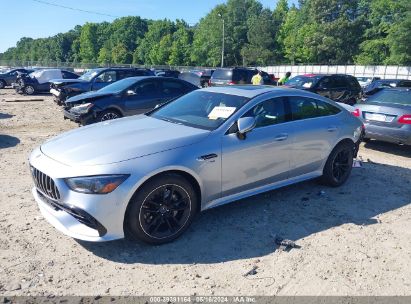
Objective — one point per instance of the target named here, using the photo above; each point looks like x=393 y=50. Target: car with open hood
x=130 y=96
x=146 y=176
x=92 y=80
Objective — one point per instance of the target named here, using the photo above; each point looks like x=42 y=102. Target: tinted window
x=302 y=81
x=404 y=83
x=241 y=76
x=303 y=108
x=326 y=83
x=223 y=74
x=125 y=74
x=68 y=75
x=268 y=112
x=109 y=76
x=391 y=96
x=146 y=88
x=173 y=87
x=339 y=82
x=353 y=83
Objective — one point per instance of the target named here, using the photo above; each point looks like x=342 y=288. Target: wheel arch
x=190 y=176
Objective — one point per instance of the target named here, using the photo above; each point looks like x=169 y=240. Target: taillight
x=209 y=82
x=405 y=119
x=231 y=83
x=356 y=113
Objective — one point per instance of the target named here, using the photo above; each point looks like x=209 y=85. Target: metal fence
x=79 y=66
x=382 y=71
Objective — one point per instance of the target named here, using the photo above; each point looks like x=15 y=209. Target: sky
x=32 y=18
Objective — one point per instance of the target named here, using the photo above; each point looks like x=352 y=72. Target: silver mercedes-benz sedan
x=146 y=177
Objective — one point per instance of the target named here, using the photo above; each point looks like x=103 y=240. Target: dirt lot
x=355 y=240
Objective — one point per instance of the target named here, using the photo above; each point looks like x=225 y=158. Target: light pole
x=222 y=47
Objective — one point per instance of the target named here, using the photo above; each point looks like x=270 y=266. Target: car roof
x=249 y=91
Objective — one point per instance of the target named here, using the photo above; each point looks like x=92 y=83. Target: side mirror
x=245 y=124
x=131 y=93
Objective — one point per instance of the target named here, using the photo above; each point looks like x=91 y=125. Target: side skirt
x=261 y=189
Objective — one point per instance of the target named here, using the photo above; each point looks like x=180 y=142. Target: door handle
x=281 y=137
x=332 y=129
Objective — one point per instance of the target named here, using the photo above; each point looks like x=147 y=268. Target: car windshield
x=118 y=86
x=89 y=75
x=392 y=96
x=302 y=81
x=201 y=109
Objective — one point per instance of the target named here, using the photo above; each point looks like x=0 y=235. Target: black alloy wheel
x=338 y=167
x=162 y=209
x=165 y=211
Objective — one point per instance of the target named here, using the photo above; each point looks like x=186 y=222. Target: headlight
x=100 y=184
x=82 y=109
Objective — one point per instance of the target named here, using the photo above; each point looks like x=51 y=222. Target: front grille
x=45 y=184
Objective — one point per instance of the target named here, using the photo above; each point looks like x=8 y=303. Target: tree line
x=314 y=31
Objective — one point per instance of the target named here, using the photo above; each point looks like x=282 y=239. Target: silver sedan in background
x=146 y=176
x=387 y=116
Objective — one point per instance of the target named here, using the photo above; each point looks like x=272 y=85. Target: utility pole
x=222 y=47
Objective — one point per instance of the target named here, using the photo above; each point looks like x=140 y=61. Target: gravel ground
x=354 y=240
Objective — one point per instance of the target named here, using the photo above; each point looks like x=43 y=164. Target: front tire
x=339 y=165
x=161 y=210
x=29 y=90
x=2 y=84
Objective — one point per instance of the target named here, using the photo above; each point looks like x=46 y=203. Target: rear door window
x=303 y=108
x=147 y=88
x=173 y=88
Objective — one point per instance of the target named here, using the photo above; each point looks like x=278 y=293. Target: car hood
x=119 y=140
x=61 y=82
x=87 y=95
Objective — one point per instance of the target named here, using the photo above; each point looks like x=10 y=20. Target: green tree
x=88 y=43
x=261 y=47
x=120 y=54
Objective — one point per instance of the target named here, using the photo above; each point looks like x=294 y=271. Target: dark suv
x=93 y=80
x=231 y=76
x=9 y=77
x=341 y=88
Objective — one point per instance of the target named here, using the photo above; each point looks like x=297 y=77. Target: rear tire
x=338 y=167
x=2 y=84
x=161 y=210
x=108 y=115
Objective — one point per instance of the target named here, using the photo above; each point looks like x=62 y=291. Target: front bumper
x=59 y=96
x=89 y=217
x=83 y=119
x=393 y=135
x=68 y=220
